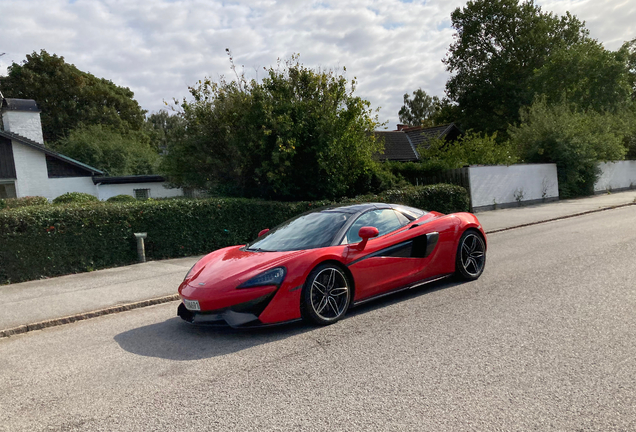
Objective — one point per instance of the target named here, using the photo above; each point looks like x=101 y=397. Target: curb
x=86 y=315
x=561 y=218
x=166 y=299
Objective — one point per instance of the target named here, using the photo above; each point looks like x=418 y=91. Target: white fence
x=616 y=176
x=494 y=187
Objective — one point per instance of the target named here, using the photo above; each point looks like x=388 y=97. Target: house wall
x=24 y=123
x=157 y=190
x=60 y=186
x=30 y=169
x=616 y=176
x=499 y=186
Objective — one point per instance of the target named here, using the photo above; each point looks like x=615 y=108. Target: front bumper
x=240 y=315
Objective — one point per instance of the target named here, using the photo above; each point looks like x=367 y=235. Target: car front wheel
x=326 y=295
x=471 y=255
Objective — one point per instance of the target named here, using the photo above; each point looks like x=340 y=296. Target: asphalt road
x=545 y=340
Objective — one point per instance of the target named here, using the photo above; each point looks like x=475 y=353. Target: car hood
x=235 y=265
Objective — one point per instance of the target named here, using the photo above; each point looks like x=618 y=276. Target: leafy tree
x=420 y=110
x=587 y=75
x=573 y=139
x=110 y=150
x=69 y=97
x=298 y=134
x=498 y=46
x=473 y=148
x=162 y=128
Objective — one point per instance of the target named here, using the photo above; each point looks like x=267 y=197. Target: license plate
x=192 y=305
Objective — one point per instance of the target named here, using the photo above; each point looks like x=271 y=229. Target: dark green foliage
x=69 y=97
x=411 y=171
x=298 y=134
x=498 y=46
x=75 y=198
x=57 y=240
x=114 y=152
x=10 y=203
x=586 y=75
x=121 y=199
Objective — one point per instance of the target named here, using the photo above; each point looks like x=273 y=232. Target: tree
x=298 y=134
x=69 y=97
x=419 y=111
x=108 y=149
x=498 y=46
x=587 y=75
x=162 y=128
x=573 y=139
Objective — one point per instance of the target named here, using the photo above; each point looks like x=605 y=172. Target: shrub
x=122 y=198
x=9 y=203
x=57 y=240
x=75 y=198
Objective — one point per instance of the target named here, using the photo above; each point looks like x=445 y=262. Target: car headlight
x=189 y=271
x=274 y=276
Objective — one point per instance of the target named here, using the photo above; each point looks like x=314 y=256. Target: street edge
x=561 y=218
x=86 y=315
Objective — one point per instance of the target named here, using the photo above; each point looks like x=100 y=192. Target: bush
x=576 y=141
x=121 y=198
x=9 y=203
x=57 y=240
x=75 y=198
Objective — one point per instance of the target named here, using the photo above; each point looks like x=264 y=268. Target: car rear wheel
x=471 y=255
x=326 y=295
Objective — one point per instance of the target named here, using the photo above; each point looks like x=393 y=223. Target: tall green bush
x=575 y=140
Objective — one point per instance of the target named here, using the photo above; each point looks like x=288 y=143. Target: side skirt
x=397 y=290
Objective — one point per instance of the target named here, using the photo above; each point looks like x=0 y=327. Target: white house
x=28 y=168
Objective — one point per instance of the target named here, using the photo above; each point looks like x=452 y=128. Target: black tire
x=471 y=255
x=326 y=295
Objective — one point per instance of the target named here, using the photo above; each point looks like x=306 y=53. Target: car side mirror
x=263 y=232
x=365 y=234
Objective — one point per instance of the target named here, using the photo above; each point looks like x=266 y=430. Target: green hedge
x=9 y=203
x=75 y=197
x=122 y=198
x=62 y=239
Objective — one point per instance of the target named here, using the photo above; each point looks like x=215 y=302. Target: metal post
x=141 y=250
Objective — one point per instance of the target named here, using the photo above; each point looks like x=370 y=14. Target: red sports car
x=315 y=266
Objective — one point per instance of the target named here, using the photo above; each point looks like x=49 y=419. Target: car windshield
x=308 y=231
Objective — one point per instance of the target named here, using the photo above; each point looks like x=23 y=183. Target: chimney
x=22 y=117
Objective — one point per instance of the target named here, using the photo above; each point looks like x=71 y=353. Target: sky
x=158 y=48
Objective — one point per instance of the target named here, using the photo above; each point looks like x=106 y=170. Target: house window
x=142 y=194
x=7 y=189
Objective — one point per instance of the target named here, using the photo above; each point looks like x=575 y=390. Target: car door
x=385 y=263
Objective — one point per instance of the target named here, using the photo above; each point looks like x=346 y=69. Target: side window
x=384 y=220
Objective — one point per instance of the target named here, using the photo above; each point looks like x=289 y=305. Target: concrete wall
x=616 y=176
x=25 y=123
x=500 y=186
x=157 y=190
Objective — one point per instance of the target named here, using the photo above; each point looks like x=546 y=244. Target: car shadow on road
x=174 y=339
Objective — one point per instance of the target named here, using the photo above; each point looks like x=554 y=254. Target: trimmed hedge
x=10 y=203
x=57 y=240
x=75 y=198
x=122 y=198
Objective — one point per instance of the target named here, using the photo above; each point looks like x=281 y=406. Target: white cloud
x=158 y=47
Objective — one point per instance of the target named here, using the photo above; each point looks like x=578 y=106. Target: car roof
x=353 y=208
